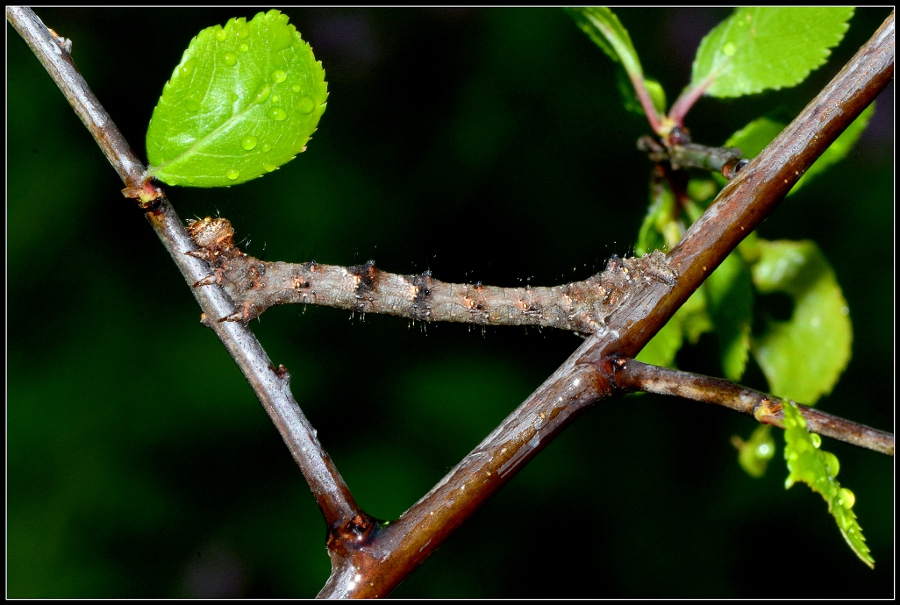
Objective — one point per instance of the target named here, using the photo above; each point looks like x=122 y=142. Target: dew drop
x=191 y=179
x=244 y=47
x=262 y=94
x=276 y=98
x=233 y=174
x=306 y=105
x=192 y=104
x=278 y=76
x=249 y=142
x=816 y=439
x=295 y=88
x=229 y=59
x=221 y=34
x=848 y=499
x=729 y=49
x=269 y=167
x=789 y=423
x=242 y=32
x=266 y=147
x=187 y=68
x=277 y=114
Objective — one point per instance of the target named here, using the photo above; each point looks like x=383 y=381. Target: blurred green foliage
x=481 y=144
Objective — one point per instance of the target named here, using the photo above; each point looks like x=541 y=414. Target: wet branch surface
x=370 y=558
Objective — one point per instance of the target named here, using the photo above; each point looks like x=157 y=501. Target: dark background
x=484 y=145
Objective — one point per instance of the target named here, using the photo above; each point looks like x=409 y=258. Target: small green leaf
x=819 y=469
x=243 y=101
x=804 y=356
x=604 y=28
x=759 y=48
x=729 y=292
x=755 y=453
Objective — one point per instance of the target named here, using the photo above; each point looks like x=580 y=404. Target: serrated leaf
x=243 y=101
x=754 y=137
x=729 y=293
x=818 y=469
x=804 y=356
x=755 y=453
x=760 y=48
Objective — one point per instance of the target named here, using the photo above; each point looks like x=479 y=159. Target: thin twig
x=631 y=375
x=270 y=384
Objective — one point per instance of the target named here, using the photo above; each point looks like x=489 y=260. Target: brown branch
x=270 y=384
x=256 y=285
x=631 y=375
x=739 y=209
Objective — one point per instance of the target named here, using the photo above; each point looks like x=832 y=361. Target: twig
x=270 y=384
x=631 y=375
x=740 y=207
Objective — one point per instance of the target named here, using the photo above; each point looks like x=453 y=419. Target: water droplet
x=191 y=179
x=269 y=167
x=192 y=104
x=229 y=59
x=831 y=464
x=276 y=98
x=187 y=68
x=242 y=32
x=789 y=423
x=249 y=142
x=244 y=47
x=233 y=174
x=847 y=498
x=266 y=147
x=729 y=49
x=306 y=105
x=221 y=34
x=278 y=76
x=262 y=94
x=817 y=440
x=277 y=114
x=295 y=88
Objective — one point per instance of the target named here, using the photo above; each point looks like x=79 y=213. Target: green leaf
x=604 y=28
x=819 y=469
x=759 y=48
x=804 y=356
x=755 y=453
x=754 y=137
x=243 y=101
x=729 y=293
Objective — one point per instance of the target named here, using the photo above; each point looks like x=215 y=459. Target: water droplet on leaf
x=229 y=59
x=816 y=439
x=306 y=105
x=187 y=68
x=243 y=31
x=221 y=34
x=277 y=114
x=295 y=88
x=192 y=105
x=266 y=147
x=244 y=47
x=233 y=174
x=276 y=98
x=269 y=167
x=262 y=93
x=729 y=49
x=847 y=498
x=249 y=142
x=278 y=76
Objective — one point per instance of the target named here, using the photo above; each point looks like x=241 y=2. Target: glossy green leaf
x=755 y=453
x=754 y=137
x=760 y=48
x=243 y=101
x=802 y=357
x=818 y=469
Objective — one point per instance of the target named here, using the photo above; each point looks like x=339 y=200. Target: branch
x=631 y=375
x=256 y=285
x=270 y=384
x=375 y=566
